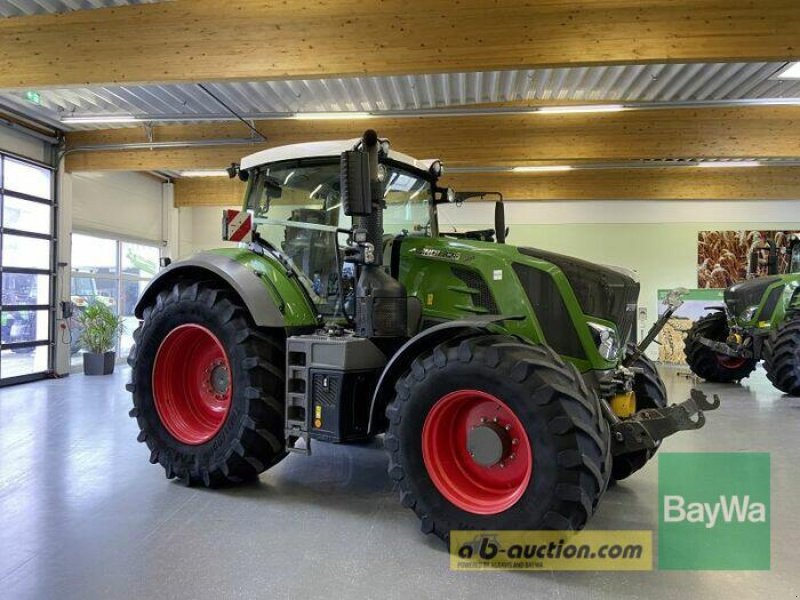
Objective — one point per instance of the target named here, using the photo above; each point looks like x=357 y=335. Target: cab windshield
x=297 y=208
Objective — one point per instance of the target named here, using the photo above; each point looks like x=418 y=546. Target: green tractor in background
x=503 y=378
x=760 y=320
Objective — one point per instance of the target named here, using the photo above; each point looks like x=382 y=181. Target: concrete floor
x=84 y=515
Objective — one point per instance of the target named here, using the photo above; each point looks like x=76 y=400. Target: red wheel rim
x=730 y=362
x=471 y=486
x=191 y=384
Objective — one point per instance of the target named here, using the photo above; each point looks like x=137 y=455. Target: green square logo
x=714 y=511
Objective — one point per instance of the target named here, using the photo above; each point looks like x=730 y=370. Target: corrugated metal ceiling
x=631 y=83
x=19 y=8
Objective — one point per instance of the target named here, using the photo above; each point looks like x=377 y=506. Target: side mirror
x=355 y=186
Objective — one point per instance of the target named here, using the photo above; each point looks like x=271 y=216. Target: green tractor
x=501 y=378
x=760 y=320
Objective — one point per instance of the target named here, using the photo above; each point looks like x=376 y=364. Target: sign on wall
x=723 y=256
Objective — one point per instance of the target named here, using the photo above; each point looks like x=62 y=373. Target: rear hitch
x=726 y=349
x=648 y=427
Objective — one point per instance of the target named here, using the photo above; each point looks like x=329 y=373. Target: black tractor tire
x=707 y=364
x=650 y=393
x=250 y=439
x=568 y=435
x=782 y=357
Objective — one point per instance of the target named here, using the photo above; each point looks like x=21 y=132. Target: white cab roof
x=321 y=150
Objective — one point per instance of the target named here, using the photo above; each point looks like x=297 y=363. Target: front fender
x=273 y=295
x=433 y=336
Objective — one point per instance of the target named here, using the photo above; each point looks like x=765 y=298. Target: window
x=26 y=269
x=297 y=207
x=113 y=272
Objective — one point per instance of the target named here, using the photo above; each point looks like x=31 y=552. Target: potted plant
x=100 y=328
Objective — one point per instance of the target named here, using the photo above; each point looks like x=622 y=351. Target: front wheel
x=207 y=387
x=782 y=357
x=710 y=365
x=493 y=433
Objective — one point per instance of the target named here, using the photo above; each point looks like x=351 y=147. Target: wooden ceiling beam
x=678 y=183
x=203 y=40
x=464 y=141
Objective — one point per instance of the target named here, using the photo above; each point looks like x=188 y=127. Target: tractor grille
x=482 y=296
x=771 y=303
x=748 y=293
x=551 y=312
x=602 y=292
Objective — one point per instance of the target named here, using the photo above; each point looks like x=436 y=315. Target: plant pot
x=99 y=364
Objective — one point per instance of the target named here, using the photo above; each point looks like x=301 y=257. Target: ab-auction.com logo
x=551 y=550
x=714 y=511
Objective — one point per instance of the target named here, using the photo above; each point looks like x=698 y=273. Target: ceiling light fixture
x=102 y=119
x=594 y=108
x=331 y=116
x=204 y=173
x=542 y=169
x=792 y=71
x=729 y=164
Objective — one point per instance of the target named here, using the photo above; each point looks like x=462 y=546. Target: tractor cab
x=297 y=208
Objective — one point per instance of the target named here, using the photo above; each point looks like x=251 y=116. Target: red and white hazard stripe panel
x=237 y=226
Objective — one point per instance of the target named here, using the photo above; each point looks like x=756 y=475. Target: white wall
x=207 y=228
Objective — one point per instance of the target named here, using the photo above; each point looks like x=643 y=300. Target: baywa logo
x=729 y=508
x=714 y=511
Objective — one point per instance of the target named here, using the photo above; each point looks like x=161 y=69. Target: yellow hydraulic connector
x=735 y=338
x=624 y=405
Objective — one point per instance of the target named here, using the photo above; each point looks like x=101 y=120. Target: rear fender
x=272 y=294
x=428 y=339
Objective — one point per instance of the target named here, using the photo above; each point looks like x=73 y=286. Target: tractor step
x=298 y=410
x=330 y=378
x=648 y=427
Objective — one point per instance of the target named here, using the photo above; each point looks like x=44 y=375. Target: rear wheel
x=207 y=387
x=782 y=357
x=650 y=393
x=492 y=433
x=710 y=365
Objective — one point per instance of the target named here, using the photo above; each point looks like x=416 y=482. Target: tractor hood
x=740 y=297
x=608 y=293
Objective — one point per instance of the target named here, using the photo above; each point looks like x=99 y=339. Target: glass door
x=26 y=270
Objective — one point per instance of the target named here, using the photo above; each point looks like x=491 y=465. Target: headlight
x=749 y=313
x=606 y=340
